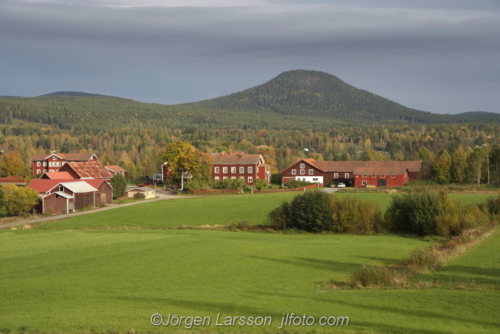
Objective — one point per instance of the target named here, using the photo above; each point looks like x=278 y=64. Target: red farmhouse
x=353 y=173
x=41 y=163
x=249 y=167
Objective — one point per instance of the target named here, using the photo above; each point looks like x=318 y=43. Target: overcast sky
x=435 y=55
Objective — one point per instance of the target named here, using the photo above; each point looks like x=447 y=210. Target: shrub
x=276 y=178
x=231 y=184
x=297 y=184
x=196 y=184
x=139 y=196
x=459 y=217
x=372 y=276
x=311 y=212
x=425 y=260
x=493 y=208
x=352 y=215
x=278 y=218
x=259 y=184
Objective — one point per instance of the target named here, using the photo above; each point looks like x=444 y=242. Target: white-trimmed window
x=294 y=172
x=44 y=163
x=335 y=175
x=373 y=176
x=311 y=171
x=302 y=165
x=216 y=178
x=217 y=170
x=233 y=169
x=393 y=176
x=242 y=170
x=225 y=177
x=250 y=170
x=363 y=183
x=38 y=172
x=302 y=172
x=38 y=163
x=233 y=177
x=44 y=170
x=315 y=179
x=224 y=170
x=346 y=175
x=364 y=175
x=58 y=164
x=250 y=179
x=382 y=175
x=54 y=158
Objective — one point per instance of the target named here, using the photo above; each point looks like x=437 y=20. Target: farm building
x=148 y=192
x=87 y=170
x=116 y=169
x=249 y=167
x=41 y=163
x=353 y=173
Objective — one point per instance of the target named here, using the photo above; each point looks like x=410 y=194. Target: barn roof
x=237 y=158
x=351 y=166
x=78 y=187
x=60 y=193
x=89 y=169
x=57 y=176
x=45 y=185
x=115 y=168
x=379 y=171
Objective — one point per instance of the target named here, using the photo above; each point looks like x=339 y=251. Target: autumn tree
x=183 y=157
x=458 y=167
x=441 y=169
x=11 y=164
x=17 y=200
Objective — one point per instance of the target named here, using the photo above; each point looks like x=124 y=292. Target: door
x=381 y=183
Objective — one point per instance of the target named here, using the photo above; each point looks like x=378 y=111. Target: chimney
x=52 y=152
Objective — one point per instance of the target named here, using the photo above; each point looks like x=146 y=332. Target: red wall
x=397 y=180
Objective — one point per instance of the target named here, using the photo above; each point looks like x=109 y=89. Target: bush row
x=416 y=213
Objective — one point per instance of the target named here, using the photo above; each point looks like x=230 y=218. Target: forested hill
x=319 y=94
x=71 y=93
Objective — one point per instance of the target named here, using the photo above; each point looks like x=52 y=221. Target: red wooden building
x=353 y=173
x=248 y=167
x=41 y=163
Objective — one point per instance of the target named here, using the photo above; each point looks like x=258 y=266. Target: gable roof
x=351 y=166
x=237 y=158
x=57 y=176
x=78 y=187
x=64 y=156
x=115 y=168
x=89 y=169
x=380 y=171
x=46 y=185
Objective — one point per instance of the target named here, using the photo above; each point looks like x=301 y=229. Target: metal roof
x=78 y=187
x=89 y=169
x=237 y=158
x=60 y=193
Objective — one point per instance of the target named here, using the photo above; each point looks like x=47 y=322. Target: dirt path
x=161 y=195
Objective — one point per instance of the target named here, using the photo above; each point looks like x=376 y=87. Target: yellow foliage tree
x=183 y=157
x=17 y=200
x=11 y=164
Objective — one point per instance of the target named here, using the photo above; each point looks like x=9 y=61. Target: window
x=225 y=177
x=54 y=158
x=302 y=172
x=44 y=170
x=335 y=175
x=242 y=169
x=382 y=175
x=216 y=178
x=294 y=172
x=373 y=175
x=233 y=169
x=61 y=188
x=346 y=175
x=224 y=170
x=250 y=179
x=38 y=172
x=311 y=171
x=44 y=163
x=58 y=164
x=38 y=163
x=363 y=183
x=392 y=176
x=364 y=175
x=315 y=179
x=250 y=170
x=302 y=165
x=216 y=170
x=233 y=177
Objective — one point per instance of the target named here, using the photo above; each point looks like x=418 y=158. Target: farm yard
x=74 y=276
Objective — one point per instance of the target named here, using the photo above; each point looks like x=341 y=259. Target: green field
x=220 y=210
x=74 y=281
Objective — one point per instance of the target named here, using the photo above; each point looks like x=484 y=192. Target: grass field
x=74 y=281
x=480 y=265
x=206 y=211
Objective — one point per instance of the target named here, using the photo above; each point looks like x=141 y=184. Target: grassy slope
x=114 y=280
x=203 y=211
x=480 y=265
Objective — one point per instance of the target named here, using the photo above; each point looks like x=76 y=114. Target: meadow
x=221 y=210
x=79 y=281
x=74 y=280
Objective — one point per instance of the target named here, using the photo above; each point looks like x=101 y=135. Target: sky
x=441 y=56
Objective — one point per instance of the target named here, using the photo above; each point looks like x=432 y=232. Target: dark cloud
x=442 y=58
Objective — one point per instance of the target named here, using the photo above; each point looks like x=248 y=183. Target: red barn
x=353 y=173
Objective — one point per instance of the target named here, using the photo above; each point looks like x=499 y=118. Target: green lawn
x=73 y=281
x=206 y=211
x=480 y=265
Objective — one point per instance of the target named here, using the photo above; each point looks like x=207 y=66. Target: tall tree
x=119 y=184
x=441 y=169
x=459 y=166
x=183 y=158
x=11 y=164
